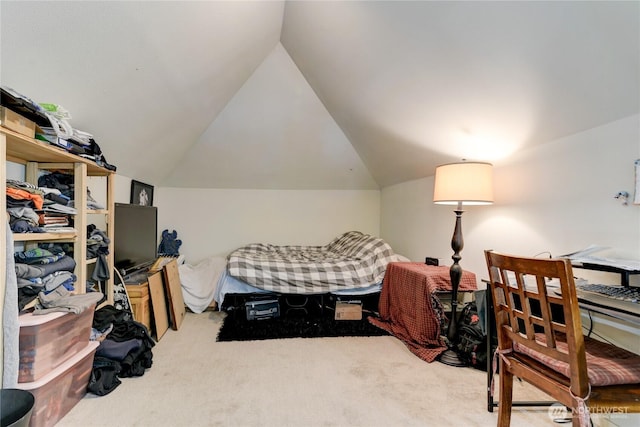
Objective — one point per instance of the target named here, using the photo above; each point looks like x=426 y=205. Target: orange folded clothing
x=18 y=194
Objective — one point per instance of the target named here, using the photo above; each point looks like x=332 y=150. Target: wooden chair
x=540 y=340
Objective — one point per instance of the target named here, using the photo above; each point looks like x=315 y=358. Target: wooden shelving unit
x=38 y=156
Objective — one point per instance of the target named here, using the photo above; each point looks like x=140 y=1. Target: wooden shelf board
x=30 y=237
x=21 y=147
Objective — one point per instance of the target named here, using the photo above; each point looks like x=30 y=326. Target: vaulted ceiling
x=321 y=95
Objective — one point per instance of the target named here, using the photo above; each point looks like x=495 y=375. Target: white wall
x=557 y=197
x=213 y=222
x=15 y=171
x=122 y=189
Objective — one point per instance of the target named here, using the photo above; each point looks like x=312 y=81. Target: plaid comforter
x=353 y=260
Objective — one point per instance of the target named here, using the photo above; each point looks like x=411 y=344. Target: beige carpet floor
x=363 y=381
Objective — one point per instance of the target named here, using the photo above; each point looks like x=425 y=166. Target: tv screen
x=135 y=236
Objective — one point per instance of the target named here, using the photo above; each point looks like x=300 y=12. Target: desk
x=623 y=272
x=609 y=311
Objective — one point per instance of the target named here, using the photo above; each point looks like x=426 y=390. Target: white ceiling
x=321 y=95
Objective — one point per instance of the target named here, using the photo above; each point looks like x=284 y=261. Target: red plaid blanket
x=405 y=305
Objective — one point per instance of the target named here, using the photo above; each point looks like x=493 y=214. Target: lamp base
x=451 y=358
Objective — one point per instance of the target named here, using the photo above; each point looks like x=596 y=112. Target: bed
x=353 y=263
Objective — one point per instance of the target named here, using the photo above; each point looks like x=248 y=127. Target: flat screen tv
x=135 y=234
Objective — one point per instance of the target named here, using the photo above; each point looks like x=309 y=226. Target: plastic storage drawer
x=48 y=340
x=61 y=389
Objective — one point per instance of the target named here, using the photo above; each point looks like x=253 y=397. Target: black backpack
x=471 y=341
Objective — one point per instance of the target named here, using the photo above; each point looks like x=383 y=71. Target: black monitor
x=136 y=233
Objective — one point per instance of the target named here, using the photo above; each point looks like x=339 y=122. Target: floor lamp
x=466 y=183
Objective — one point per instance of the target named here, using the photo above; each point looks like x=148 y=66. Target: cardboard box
x=48 y=340
x=61 y=389
x=14 y=121
x=348 y=310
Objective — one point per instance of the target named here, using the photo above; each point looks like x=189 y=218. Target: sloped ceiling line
x=321 y=95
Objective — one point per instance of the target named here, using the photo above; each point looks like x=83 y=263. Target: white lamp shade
x=469 y=183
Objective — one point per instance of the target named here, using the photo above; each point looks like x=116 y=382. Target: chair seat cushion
x=606 y=363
